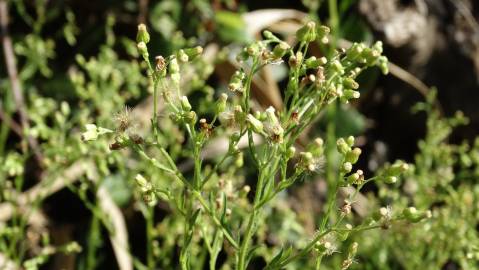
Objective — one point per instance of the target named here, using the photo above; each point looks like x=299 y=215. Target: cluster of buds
x=310 y=32
x=361 y=54
x=309 y=162
x=254 y=50
x=186 y=115
x=391 y=173
x=236 y=82
x=146 y=189
x=351 y=156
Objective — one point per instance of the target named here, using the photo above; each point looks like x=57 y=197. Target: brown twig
x=13 y=76
x=143 y=11
x=10 y=122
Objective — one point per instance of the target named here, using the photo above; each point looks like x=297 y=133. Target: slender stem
x=218 y=223
x=318 y=261
x=306 y=250
x=243 y=252
x=149 y=238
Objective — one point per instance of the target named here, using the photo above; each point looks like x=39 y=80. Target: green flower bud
x=254 y=49
x=342 y=146
x=414 y=216
x=185 y=104
x=290 y=152
x=347 y=167
x=337 y=67
x=383 y=64
x=221 y=103
x=192 y=53
x=397 y=168
x=350 y=83
x=307 y=33
x=312 y=62
x=268 y=35
x=323 y=31
x=350 y=141
x=254 y=123
x=378 y=46
x=353 y=155
x=92 y=132
x=142 y=49
x=142 y=34
x=349 y=94
x=143 y=184
x=191 y=117
x=182 y=56
x=280 y=49
x=353 y=178
x=239 y=115
x=355 y=51
x=174 y=70
x=239 y=161
x=306 y=156
x=390 y=179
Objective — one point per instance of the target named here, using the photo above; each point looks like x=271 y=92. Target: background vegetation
x=71 y=204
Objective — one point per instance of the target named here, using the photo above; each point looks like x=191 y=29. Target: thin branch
x=10 y=122
x=14 y=80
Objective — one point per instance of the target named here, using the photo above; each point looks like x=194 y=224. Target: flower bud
x=142 y=34
x=191 y=117
x=307 y=33
x=397 y=168
x=268 y=35
x=349 y=94
x=254 y=123
x=323 y=31
x=383 y=64
x=280 y=49
x=347 y=167
x=185 y=104
x=92 y=132
x=353 y=155
x=390 y=179
x=342 y=146
x=142 y=49
x=143 y=184
x=174 y=71
x=221 y=103
x=337 y=67
x=414 y=216
x=290 y=152
x=192 y=53
x=350 y=141
x=182 y=56
x=350 y=83
x=254 y=49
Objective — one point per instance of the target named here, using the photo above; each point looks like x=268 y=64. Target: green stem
x=245 y=243
x=218 y=223
x=149 y=238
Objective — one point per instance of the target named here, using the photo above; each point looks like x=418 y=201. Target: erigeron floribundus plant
x=314 y=82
